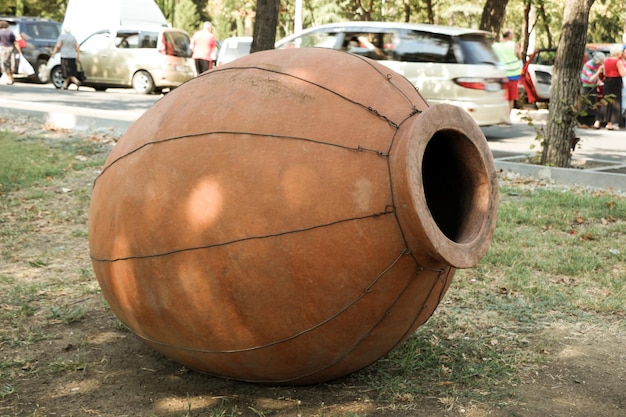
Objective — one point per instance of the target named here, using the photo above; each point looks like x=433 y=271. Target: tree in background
x=203 y=10
x=265 y=23
x=542 y=17
x=167 y=7
x=607 y=22
x=231 y=17
x=560 y=136
x=315 y=12
x=19 y=7
x=51 y=9
x=186 y=16
x=493 y=16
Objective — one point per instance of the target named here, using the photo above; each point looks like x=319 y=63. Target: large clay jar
x=289 y=218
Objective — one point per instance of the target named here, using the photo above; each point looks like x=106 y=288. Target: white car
x=233 y=48
x=446 y=64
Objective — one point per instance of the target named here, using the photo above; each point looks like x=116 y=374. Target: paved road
x=85 y=109
x=594 y=144
x=119 y=108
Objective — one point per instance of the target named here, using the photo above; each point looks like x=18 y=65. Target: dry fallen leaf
x=587 y=236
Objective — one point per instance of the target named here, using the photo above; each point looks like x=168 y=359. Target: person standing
x=67 y=45
x=589 y=79
x=623 y=124
x=509 y=52
x=613 y=69
x=203 y=44
x=8 y=43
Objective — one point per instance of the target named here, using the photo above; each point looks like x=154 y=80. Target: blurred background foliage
x=607 y=23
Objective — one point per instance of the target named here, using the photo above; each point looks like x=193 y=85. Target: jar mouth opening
x=445 y=185
x=456 y=185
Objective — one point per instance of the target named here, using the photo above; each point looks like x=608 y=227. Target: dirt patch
x=55 y=364
x=585 y=375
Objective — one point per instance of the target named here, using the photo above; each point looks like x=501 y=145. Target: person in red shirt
x=613 y=69
x=202 y=44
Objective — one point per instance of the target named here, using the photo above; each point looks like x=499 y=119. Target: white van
x=85 y=17
x=446 y=64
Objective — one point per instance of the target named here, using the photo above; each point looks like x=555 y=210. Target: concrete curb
x=78 y=119
x=584 y=177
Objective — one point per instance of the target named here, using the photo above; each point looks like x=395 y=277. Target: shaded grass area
x=558 y=255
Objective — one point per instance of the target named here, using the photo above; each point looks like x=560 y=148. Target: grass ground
x=536 y=329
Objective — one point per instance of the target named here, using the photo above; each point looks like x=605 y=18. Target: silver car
x=446 y=64
x=233 y=48
x=148 y=60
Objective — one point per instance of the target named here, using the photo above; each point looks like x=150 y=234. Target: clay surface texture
x=290 y=217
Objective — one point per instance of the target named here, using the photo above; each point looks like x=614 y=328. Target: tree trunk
x=526 y=28
x=430 y=12
x=407 y=11
x=560 y=139
x=493 y=16
x=265 y=23
x=541 y=11
x=366 y=9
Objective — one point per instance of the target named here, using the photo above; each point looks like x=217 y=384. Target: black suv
x=41 y=35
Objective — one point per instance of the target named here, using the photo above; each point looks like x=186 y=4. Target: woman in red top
x=613 y=69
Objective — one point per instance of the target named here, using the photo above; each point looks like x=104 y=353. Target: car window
x=476 y=49
x=415 y=46
x=42 y=30
x=369 y=44
x=148 y=39
x=544 y=57
x=126 y=40
x=314 y=40
x=178 y=44
x=97 y=42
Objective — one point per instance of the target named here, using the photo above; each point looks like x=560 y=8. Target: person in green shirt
x=510 y=53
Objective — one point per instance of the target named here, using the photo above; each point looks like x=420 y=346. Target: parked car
x=233 y=48
x=446 y=64
x=40 y=35
x=536 y=76
x=145 y=59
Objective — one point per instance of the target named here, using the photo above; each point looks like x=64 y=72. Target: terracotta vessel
x=289 y=218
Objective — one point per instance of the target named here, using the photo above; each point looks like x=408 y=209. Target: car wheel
x=41 y=71
x=56 y=77
x=143 y=83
